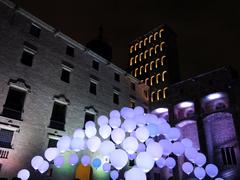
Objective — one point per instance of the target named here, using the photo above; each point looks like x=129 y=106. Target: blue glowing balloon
x=114 y=174
x=96 y=163
x=153 y=129
x=106 y=167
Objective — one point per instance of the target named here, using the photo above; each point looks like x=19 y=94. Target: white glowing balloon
x=79 y=133
x=106 y=167
x=138 y=110
x=130 y=144
x=170 y=163
x=118 y=158
x=85 y=160
x=77 y=144
x=141 y=147
x=36 y=162
x=129 y=125
x=161 y=162
x=105 y=131
x=173 y=134
x=43 y=167
x=178 y=148
x=106 y=147
x=114 y=114
x=89 y=123
x=211 y=170
x=155 y=149
x=51 y=153
x=187 y=142
x=115 y=122
x=219 y=179
x=73 y=159
x=135 y=173
x=118 y=135
x=149 y=140
x=140 y=120
x=93 y=143
x=23 y=174
x=102 y=120
x=167 y=146
x=63 y=143
x=200 y=159
x=187 y=167
x=191 y=153
x=142 y=134
x=199 y=172
x=127 y=112
x=59 y=161
x=164 y=128
x=144 y=161
x=90 y=131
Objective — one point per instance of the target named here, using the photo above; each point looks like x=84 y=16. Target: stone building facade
x=50 y=85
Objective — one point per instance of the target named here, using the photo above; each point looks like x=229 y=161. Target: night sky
x=208 y=30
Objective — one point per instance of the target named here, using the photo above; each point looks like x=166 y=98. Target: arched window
x=146 y=66
x=131 y=49
x=155 y=36
x=161 y=32
x=165 y=92
x=157 y=78
x=136 y=71
x=152 y=96
x=158 y=94
x=141 y=68
x=156 y=48
x=150 y=38
x=163 y=58
x=156 y=62
x=150 y=51
x=136 y=45
x=164 y=75
x=145 y=41
x=151 y=65
x=146 y=81
x=151 y=80
x=135 y=60
x=140 y=56
x=145 y=54
x=161 y=46
x=140 y=44
x=131 y=61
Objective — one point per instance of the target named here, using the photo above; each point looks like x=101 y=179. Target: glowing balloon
x=51 y=153
x=149 y=140
x=161 y=162
x=79 y=133
x=73 y=159
x=85 y=160
x=153 y=129
x=132 y=156
x=211 y=170
x=43 y=167
x=93 y=143
x=167 y=146
x=200 y=160
x=36 y=162
x=164 y=128
x=144 y=161
x=114 y=174
x=118 y=135
x=63 y=143
x=178 y=148
x=77 y=144
x=102 y=120
x=138 y=110
x=106 y=147
x=173 y=134
x=90 y=131
x=96 y=163
x=187 y=142
x=59 y=161
x=135 y=173
x=155 y=149
x=129 y=125
x=219 y=179
x=199 y=172
x=114 y=114
x=118 y=158
x=127 y=112
x=140 y=120
x=106 y=167
x=105 y=131
x=23 y=174
x=89 y=123
x=191 y=153
x=141 y=147
x=170 y=163
x=187 y=167
x=115 y=122
x=142 y=134
x=130 y=144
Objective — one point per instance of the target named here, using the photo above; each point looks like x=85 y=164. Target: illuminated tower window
x=136 y=71
x=151 y=65
x=150 y=38
x=163 y=59
x=131 y=61
x=157 y=62
x=146 y=66
x=145 y=41
x=140 y=56
x=161 y=32
x=146 y=81
x=141 y=69
x=140 y=44
x=161 y=46
x=150 y=51
x=131 y=49
x=164 y=75
x=145 y=54
x=136 y=45
x=158 y=94
x=152 y=96
x=156 y=47
x=155 y=36
x=135 y=61
x=151 y=81
x=157 y=78
x=165 y=92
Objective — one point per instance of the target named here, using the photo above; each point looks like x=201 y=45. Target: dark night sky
x=208 y=30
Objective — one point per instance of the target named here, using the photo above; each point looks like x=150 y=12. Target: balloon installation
x=132 y=135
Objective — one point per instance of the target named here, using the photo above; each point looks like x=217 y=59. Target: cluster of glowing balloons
x=123 y=136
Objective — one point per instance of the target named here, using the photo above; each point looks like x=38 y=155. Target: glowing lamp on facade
x=214 y=96
x=160 y=110
x=185 y=104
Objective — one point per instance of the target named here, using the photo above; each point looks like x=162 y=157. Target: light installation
x=132 y=135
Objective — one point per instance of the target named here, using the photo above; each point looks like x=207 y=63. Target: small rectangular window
x=27 y=58
x=70 y=51
x=93 y=88
x=132 y=104
x=88 y=117
x=14 y=104
x=35 y=30
x=58 y=116
x=95 y=65
x=133 y=86
x=6 y=138
x=115 y=98
x=116 y=77
x=65 y=75
x=52 y=142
